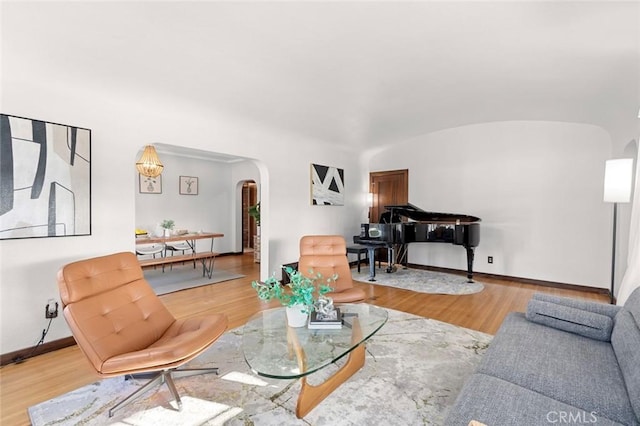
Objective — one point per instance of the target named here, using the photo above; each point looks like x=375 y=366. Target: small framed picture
x=150 y=185
x=188 y=185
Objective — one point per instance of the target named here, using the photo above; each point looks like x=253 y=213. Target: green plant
x=254 y=212
x=167 y=224
x=300 y=290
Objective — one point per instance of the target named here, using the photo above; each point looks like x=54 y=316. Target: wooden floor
x=46 y=376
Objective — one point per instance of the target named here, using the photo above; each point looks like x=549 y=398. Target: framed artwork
x=327 y=185
x=188 y=185
x=45 y=179
x=150 y=185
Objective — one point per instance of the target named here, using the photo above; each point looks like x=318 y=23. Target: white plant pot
x=167 y=232
x=296 y=317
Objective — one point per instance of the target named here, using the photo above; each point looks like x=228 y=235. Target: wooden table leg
x=311 y=395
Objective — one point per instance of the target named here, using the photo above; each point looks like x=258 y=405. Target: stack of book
x=320 y=322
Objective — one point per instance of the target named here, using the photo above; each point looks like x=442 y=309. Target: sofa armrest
x=578 y=321
x=585 y=305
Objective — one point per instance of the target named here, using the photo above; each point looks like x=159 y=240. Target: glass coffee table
x=273 y=349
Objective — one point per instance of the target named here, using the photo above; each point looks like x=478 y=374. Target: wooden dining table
x=205 y=257
x=189 y=237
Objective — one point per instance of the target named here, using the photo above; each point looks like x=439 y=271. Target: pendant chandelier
x=149 y=164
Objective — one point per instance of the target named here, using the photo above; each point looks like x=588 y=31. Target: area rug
x=184 y=277
x=420 y=280
x=414 y=369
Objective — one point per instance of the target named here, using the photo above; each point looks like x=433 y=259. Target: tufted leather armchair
x=327 y=254
x=123 y=328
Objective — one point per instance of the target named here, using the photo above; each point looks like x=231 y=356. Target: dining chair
x=180 y=246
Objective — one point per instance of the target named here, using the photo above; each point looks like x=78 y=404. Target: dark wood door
x=388 y=188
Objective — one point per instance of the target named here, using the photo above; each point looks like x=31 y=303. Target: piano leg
x=371 y=252
x=390 y=258
x=400 y=255
x=470 y=256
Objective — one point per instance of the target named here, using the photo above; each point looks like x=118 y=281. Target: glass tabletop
x=272 y=349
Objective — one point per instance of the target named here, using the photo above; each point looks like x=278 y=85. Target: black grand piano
x=422 y=227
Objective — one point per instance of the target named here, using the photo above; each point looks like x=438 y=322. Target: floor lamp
x=617 y=189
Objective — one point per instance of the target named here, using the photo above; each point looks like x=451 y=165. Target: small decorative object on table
x=325 y=315
x=141 y=233
x=300 y=291
x=167 y=225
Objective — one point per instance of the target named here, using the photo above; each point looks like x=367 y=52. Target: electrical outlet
x=51 y=310
x=490 y=259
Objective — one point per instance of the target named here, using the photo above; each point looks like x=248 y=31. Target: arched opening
x=226 y=186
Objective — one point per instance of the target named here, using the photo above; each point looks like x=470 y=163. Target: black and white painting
x=45 y=179
x=327 y=185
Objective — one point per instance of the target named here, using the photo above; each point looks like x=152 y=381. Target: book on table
x=319 y=321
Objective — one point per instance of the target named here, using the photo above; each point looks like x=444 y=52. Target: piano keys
x=425 y=227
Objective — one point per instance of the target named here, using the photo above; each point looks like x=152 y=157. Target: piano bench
x=358 y=250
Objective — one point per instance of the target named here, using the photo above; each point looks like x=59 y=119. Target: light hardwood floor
x=46 y=376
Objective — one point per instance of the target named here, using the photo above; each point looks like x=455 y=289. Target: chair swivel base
x=164 y=376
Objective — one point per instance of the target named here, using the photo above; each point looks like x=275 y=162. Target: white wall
x=121 y=123
x=537 y=186
x=541 y=217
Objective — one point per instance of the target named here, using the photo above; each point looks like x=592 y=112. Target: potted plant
x=254 y=212
x=299 y=295
x=167 y=225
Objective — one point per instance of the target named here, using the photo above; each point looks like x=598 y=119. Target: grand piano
x=394 y=232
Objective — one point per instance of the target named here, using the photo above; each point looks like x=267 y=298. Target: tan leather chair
x=327 y=255
x=123 y=328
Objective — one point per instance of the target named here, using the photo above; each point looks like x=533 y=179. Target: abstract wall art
x=45 y=179
x=327 y=185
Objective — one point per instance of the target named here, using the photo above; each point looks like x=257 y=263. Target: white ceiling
x=358 y=73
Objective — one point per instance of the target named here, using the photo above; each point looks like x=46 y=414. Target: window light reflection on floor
x=248 y=379
x=194 y=412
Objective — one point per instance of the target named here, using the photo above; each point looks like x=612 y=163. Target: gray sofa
x=563 y=362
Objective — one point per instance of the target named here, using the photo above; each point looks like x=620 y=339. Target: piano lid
x=416 y=213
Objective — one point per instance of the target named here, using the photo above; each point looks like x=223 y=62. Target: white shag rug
x=420 y=280
x=414 y=369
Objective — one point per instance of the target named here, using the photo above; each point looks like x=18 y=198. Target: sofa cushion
x=496 y=402
x=585 y=305
x=573 y=369
x=625 y=340
x=578 y=321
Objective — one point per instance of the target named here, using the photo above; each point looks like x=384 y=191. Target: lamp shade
x=617 y=180
x=149 y=164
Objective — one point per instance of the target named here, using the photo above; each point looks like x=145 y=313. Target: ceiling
x=182 y=151
x=365 y=74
